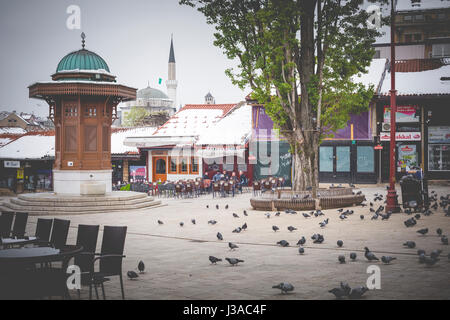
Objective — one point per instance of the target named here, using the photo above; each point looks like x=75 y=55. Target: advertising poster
x=138 y=173
x=403 y=114
x=407 y=157
x=439 y=135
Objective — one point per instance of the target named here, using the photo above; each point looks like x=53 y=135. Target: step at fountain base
x=53 y=204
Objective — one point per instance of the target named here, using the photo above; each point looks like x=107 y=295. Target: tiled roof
x=224 y=107
x=417 y=65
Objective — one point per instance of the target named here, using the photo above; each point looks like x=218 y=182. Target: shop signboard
x=403 y=114
x=439 y=134
x=401 y=136
x=11 y=164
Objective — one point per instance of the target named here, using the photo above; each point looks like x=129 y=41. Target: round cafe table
x=20 y=279
x=7 y=242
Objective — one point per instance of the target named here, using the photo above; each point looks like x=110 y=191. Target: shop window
x=183 y=167
x=326 y=159
x=194 y=165
x=365 y=159
x=90 y=138
x=172 y=165
x=439 y=157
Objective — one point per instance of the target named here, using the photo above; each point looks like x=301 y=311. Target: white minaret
x=172 y=82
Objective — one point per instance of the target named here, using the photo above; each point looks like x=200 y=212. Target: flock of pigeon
x=344 y=290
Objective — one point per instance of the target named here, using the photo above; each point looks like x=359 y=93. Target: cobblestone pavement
x=177 y=265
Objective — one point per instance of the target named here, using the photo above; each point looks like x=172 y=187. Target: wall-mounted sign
x=401 y=136
x=378 y=147
x=20 y=173
x=11 y=164
x=438 y=134
x=403 y=114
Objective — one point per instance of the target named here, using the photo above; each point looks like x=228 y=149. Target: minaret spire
x=83 y=36
x=172 y=82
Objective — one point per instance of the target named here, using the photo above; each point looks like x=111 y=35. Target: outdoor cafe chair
x=87 y=238
x=6 y=220
x=20 y=224
x=59 y=233
x=110 y=259
x=43 y=229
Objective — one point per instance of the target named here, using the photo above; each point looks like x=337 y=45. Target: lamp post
x=392 y=201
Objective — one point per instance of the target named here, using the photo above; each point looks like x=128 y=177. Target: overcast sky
x=132 y=36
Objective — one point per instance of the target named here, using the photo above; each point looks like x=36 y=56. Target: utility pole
x=392 y=197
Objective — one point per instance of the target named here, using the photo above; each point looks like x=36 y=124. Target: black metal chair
x=20 y=224
x=87 y=237
x=43 y=229
x=59 y=233
x=6 y=220
x=110 y=259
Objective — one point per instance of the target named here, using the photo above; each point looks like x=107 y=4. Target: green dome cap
x=82 y=60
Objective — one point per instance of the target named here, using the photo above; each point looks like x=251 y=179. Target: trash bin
x=411 y=191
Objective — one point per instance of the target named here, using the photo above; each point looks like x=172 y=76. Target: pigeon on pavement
x=283 y=243
x=301 y=250
x=357 y=293
x=369 y=255
x=341 y=259
x=141 y=266
x=214 y=260
x=422 y=231
x=410 y=244
x=232 y=246
x=353 y=256
x=285 y=287
x=302 y=241
x=233 y=261
x=291 y=228
x=387 y=259
x=160 y=222
x=340 y=243
x=219 y=236
x=275 y=228
x=132 y=275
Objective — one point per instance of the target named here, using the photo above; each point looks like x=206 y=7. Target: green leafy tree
x=299 y=58
x=135 y=117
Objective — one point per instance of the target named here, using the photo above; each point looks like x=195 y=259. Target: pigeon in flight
x=132 y=275
x=422 y=231
x=369 y=255
x=233 y=261
x=275 y=228
x=232 y=246
x=219 y=236
x=141 y=266
x=285 y=287
x=291 y=228
x=387 y=259
x=214 y=260
x=283 y=243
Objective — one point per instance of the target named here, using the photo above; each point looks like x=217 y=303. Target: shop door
x=159 y=169
x=334 y=164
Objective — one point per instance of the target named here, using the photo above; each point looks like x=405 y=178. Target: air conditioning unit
x=386 y=127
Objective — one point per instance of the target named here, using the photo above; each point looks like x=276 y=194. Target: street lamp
x=392 y=197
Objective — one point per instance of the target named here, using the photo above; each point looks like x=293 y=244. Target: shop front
x=437 y=156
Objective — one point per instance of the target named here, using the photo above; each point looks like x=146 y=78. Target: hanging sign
x=401 y=136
